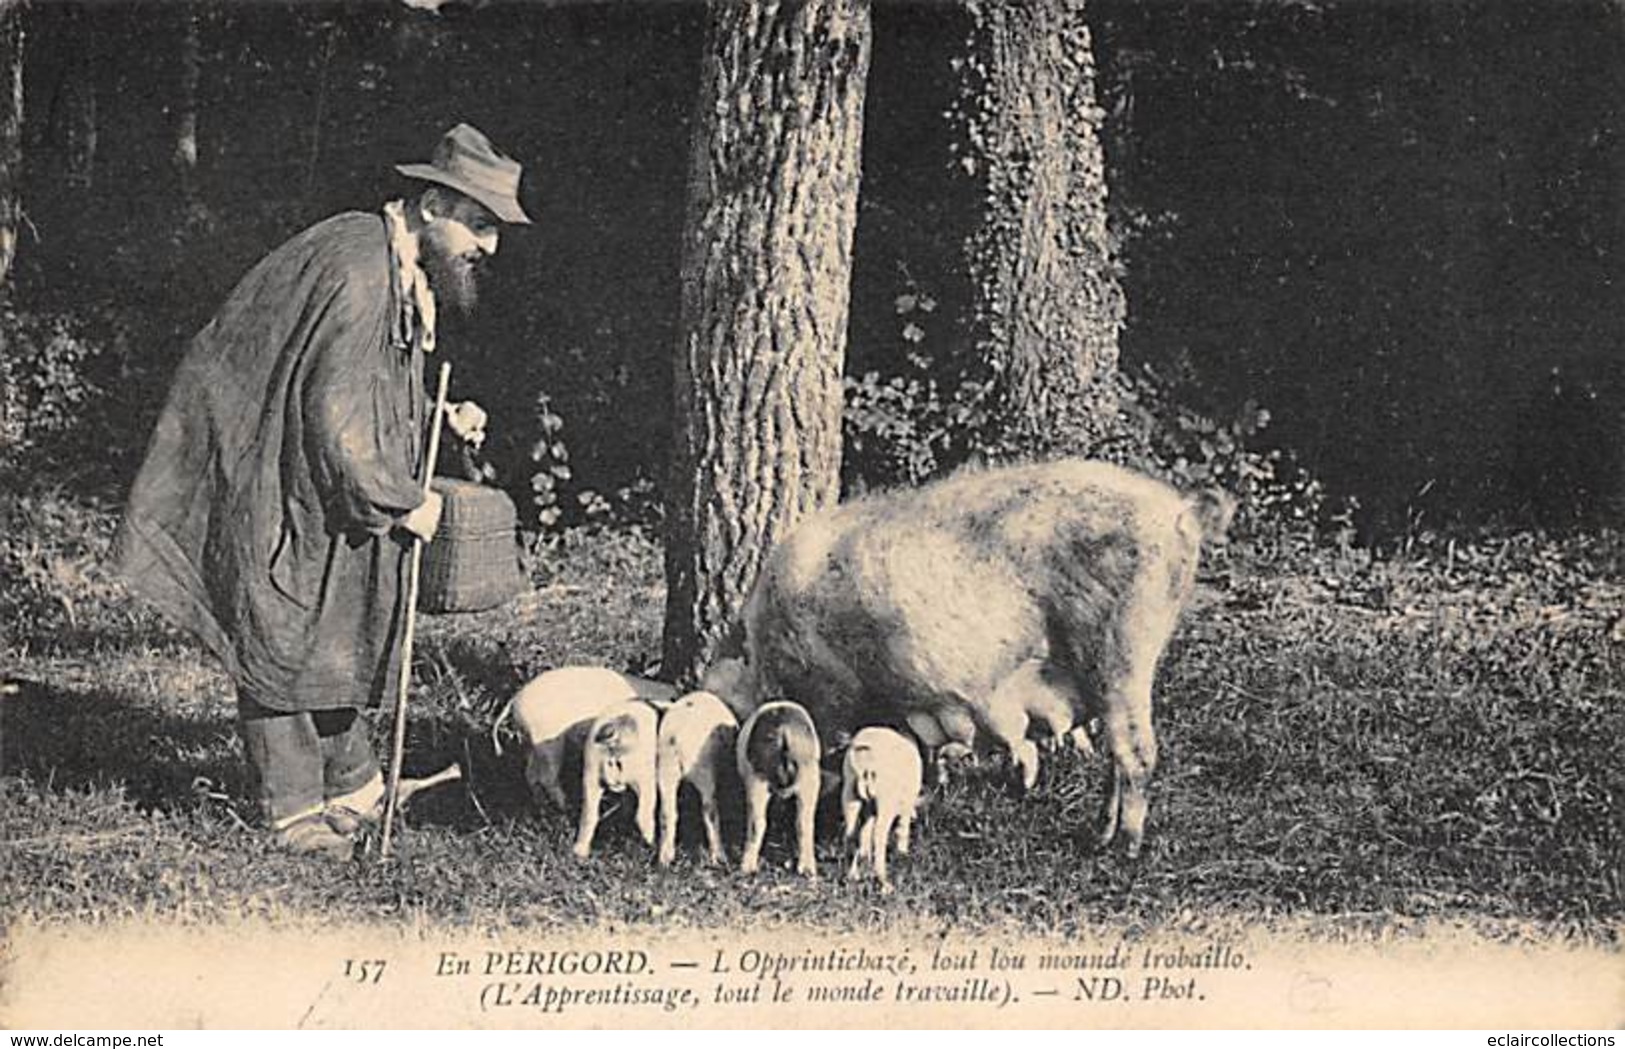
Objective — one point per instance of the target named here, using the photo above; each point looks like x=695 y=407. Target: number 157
x=369 y=970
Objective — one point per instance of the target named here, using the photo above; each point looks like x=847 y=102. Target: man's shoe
x=348 y=822
x=314 y=835
x=361 y=809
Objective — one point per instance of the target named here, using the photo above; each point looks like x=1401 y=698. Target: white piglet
x=880 y=786
x=618 y=756
x=696 y=746
x=778 y=753
x=561 y=702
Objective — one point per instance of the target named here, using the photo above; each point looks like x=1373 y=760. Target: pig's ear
x=661 y=705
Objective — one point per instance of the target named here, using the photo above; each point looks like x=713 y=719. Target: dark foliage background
x=1396 y=227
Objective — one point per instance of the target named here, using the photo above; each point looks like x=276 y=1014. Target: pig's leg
x=756 y=794
x=1007 y=723
x=1034 y=686
x=592 y=794
x=806 y=810
x=865 y=856
x=646 y=809
x=885 y=818
x=670 y=777
x=706 y=783
x=1049 y=706
x=860 y=852
x=1084 y=698
x=851 y=806
x=542 y=768
x=1133 y=744
x=923 y=725
x=1148 y=623
x=851 y=812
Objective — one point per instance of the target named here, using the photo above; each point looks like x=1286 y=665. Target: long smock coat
x=287 y=452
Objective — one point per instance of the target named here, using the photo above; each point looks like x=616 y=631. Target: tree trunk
x=1049 y=301
x=11 y=130
x=767 y=254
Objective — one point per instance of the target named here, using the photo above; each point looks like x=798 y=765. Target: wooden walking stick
x=397 y=750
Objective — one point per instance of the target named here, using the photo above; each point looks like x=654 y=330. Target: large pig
x=948 y=605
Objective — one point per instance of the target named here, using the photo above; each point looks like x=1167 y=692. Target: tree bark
x=1049 y=302
x=11 y=130
x=767 y=255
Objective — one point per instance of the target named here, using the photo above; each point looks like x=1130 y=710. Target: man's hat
x=465 y=160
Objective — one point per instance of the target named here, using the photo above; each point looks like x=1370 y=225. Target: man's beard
x=452 y=277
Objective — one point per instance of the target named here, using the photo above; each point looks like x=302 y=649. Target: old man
x=274 y=511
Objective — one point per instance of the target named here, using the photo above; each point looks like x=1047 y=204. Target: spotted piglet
x=619 y=756
x=778 y=752
x=556 y=707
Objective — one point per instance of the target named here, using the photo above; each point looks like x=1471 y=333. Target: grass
x=1351 y=746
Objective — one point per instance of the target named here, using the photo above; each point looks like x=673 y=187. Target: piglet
x=618 y=756
x=560 y=702
x=778 y=752
x=697 y=737
x=880 y=783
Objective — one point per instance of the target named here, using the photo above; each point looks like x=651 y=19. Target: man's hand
x=467 y=420
x=423 y=521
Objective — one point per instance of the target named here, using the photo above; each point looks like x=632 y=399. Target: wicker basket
x=472 y=563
